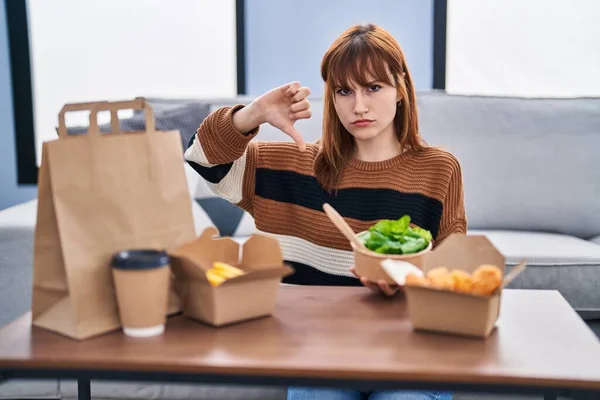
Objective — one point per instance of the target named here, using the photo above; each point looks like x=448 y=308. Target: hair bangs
x=358 y=63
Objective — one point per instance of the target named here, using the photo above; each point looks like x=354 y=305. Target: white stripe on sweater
x=196 y=154
x=325 y=259
x=230 y=187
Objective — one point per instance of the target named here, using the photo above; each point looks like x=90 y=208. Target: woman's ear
x=398 y=96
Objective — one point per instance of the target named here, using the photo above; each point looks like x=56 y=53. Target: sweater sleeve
x=454 y=219
x=225 y=157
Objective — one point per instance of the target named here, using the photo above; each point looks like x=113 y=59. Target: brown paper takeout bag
x=99 y=194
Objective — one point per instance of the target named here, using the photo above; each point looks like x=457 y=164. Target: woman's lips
x=362 y=122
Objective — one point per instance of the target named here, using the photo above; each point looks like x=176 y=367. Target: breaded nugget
x=486 y=279
x=416 y=280
x=440 y=278
x=463 y=282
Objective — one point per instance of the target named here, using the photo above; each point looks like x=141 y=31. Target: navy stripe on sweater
x=214 y=174
x=363 y=204
x=307 y=275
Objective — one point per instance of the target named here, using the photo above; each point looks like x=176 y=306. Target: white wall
x=530 y=48
x=85 y=50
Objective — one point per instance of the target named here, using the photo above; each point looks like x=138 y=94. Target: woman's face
x=367 y=111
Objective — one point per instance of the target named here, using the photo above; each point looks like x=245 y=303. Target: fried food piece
x=416 y=280
x=227 y=271
x=462 y=281
x=440 y=278
x=214 y=278
x=439 y=271
x=486 y=279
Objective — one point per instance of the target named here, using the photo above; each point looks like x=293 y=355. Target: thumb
x=294 y=134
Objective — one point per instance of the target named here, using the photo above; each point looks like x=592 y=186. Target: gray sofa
x=531 y=171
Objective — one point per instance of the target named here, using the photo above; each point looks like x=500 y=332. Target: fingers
x=371 y=285
x=301 y=115
x=377 y=287
x=295 y=92
x=300 y=106
x=386 y=288
x=293 y=133
x=301 y=94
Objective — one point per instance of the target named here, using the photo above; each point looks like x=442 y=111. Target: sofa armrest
x=16 y=272
x=17 y=228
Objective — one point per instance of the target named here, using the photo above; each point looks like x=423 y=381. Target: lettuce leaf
x=396 y=237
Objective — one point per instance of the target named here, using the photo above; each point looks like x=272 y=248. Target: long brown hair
x=360 y=53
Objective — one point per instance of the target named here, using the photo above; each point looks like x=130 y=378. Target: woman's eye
x=374 y=88
x=343 y=92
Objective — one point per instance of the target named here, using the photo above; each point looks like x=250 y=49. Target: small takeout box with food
x=220 y=286
x=459 y=288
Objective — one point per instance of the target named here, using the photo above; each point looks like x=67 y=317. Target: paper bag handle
x=98 y=105
x=137 y=104
x=94 y=133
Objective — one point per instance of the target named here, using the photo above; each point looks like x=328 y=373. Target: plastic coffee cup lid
x=139 y=259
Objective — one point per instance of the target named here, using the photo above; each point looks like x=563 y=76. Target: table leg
x=83 y=388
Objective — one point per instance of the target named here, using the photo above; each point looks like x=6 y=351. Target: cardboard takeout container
x=442 y=310
x=367 y=262
x=248 y=296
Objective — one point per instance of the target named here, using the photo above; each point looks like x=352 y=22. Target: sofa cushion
x=246 y=227
x=225 y=216
x=542 y=248
x=528 y=164
x=564 y=263
x=20 y=215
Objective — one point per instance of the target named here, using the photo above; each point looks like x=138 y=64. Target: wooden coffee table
x=335 y=337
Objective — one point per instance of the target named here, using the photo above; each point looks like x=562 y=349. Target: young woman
x=370 y=164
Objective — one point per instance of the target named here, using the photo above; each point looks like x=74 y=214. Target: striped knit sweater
x=275 y=183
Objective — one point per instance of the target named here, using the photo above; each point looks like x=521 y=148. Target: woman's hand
x=280 y=107
x=378 y=287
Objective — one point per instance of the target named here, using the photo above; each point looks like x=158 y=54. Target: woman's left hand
x=379 y=286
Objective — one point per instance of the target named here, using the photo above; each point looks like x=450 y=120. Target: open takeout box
x=454 y=312
x=244 y=297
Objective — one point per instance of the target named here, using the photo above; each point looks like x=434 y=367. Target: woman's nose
x=360 y=106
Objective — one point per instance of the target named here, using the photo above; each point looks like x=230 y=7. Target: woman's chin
x=364 y=133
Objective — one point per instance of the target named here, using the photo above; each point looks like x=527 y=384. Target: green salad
x=390 y=236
